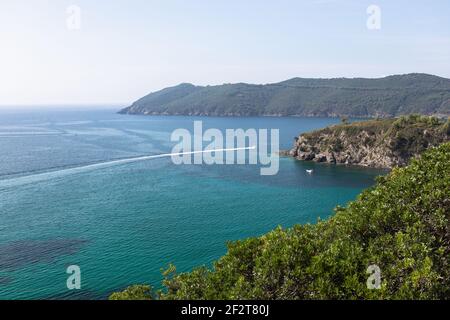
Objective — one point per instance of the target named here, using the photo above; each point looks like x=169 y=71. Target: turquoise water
x=123 y=223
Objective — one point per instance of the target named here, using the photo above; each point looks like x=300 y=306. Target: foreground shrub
x=400 y=225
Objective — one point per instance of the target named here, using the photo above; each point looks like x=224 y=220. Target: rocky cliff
x=382 y=143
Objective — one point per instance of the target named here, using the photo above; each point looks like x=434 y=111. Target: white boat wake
x=38 y=177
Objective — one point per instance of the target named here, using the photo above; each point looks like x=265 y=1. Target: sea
x=66 y=200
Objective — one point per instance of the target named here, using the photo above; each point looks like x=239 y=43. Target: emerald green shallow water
x=123 y=223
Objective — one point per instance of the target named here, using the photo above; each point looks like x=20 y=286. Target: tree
x=136 y=292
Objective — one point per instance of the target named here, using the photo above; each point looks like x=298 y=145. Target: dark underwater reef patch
x=4 y=280
x=82 y=294
x=18 y=254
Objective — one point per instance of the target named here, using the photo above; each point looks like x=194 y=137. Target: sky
x=58 y=52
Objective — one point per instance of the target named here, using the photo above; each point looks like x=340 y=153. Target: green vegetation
x=401 y=225
x=411 y=135
x=136 y=292
x=376 y=143
x=384 y=97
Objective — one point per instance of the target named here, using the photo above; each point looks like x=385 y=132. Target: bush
x=401 y=225
x=136 y=292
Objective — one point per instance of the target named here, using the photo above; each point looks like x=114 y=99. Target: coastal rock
x=330 y=157
x=320 y=158
x=381 y=143
x=305 y=155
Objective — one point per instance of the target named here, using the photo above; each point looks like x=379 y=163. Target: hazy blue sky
x=128 y=48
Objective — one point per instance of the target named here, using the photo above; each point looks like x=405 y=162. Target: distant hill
x=356 y=97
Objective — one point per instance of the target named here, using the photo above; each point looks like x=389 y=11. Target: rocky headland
x=381 y=143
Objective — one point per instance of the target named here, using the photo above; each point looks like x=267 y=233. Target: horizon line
x=175 y=84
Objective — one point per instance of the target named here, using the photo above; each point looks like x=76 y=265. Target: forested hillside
x=358 y=97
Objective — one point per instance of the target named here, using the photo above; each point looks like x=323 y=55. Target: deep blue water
x=123 y=223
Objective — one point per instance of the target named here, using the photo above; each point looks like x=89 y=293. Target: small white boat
x=309 y=171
